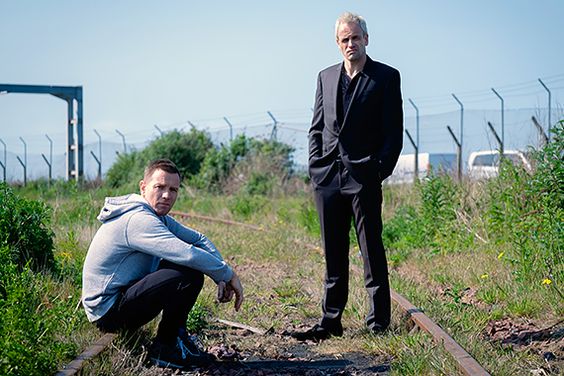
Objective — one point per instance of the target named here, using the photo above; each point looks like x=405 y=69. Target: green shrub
x=186 y=149
x=248 y=165
x=32 y=322
x=259 y=184
x=526 y=210
x=197 y=319
x=521 y=213
x=244 y=206
x=309 y=219
x=24 y=230
x=127 y=169
x=403 y=231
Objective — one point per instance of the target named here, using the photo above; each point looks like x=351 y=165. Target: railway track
x=465 y=362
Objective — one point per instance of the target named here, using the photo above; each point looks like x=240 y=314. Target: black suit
x=350 y=152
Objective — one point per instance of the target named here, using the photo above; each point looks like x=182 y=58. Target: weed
x=25 y=230
x=197 y=319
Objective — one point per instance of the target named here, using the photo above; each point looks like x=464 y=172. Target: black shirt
x=346 y=86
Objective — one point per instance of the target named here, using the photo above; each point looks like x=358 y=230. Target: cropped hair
x=349 y=17
x=161 y=164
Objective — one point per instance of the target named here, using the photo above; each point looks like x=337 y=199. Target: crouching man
x=141 y=262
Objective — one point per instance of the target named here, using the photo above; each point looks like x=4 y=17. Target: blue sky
x=143 y=63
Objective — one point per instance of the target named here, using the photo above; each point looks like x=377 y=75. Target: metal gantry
x=73 y=96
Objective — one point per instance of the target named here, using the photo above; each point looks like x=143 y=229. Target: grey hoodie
x=129 y=245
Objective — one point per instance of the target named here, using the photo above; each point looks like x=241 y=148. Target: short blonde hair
x=349 y=17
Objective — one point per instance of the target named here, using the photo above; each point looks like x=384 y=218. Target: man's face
x=160 y=191
x=351 y=41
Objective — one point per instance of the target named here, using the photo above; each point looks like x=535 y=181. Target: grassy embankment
x=468 y=254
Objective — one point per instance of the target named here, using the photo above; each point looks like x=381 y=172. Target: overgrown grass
x=466 y=253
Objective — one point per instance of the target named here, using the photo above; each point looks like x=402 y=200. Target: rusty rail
x=73 y=367
x=467 y=364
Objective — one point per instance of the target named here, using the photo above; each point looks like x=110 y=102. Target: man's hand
x=224 y=294
x=225 y=291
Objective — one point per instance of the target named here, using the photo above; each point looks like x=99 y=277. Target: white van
x=404 y=172
x=484 y=164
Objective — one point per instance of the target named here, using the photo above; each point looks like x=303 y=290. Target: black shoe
x=317 y=333
x=194 y=349
x=167 y=355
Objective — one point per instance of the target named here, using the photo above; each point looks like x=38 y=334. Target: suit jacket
x=370 y=138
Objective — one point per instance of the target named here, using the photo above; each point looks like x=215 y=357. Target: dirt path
x=242 y=352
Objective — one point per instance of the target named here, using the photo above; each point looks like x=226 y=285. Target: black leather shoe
x=317 y=333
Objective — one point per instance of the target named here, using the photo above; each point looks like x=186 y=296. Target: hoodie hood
x=116 y=206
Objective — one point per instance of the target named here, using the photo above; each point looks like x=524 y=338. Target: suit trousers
x=338 y=203
x=172 y=289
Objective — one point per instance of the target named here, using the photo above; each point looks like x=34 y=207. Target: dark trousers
x=172 y=289
x=339 y=202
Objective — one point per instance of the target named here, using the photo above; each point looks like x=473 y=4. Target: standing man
x=141 y=262
x=354 y=142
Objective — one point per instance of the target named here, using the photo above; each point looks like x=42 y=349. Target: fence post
x=499 y=140
x=549 y=107
x=158 y=129
x=99 y=154
x=416 y=138
x=49 y=166
x=4 y=165
x=24 y=163
x=99 y=165
x=123 y=139
x=543 y=136
x=458 y=154
x=274 y=133
x=461 y=119
x=416 y=176
x=502 y=118
x=230 y=128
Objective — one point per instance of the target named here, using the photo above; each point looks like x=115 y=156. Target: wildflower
x=500 y=255
x=546 y=281
x=484 y=276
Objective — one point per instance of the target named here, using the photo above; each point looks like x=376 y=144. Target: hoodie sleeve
x=146 y=233
x=192 y=236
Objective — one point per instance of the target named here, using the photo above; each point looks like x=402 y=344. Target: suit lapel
x=334 y=89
